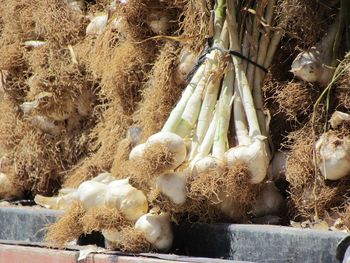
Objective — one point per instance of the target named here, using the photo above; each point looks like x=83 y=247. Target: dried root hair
x=98 y=219
x=229 y=191
x=295 y=100
x=143 y=170
x=305 y=21
x=239 y=193
x=310 y=194
x=157 y=102
x=195 y=24
x=131 y=240
x=68 y=228
x=58 y=23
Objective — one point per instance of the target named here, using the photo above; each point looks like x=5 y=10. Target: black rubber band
x=207 y=50
x=237 y=54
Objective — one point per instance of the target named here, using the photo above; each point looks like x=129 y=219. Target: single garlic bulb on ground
x=157 y=229
x=173 y=185
x=334 y=156
x=132 y=203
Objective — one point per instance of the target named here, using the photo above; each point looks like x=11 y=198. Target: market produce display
x=135 y=115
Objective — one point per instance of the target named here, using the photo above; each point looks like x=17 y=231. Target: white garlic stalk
x=34 y=43
x=156 y=229
x=333 y=156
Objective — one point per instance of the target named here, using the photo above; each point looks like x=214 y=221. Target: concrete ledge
x=253 y=243
x=258 y=243
x=25 y=223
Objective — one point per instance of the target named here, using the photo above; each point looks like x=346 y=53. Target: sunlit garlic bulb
x=173 y=185
x=334 y=156
x=156 y=229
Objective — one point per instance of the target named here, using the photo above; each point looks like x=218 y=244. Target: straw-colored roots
x=98 y=219
x=295 y=99
x=131 y=240
x=68 y=228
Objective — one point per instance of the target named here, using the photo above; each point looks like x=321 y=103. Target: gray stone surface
x=249 y=243
x=25 y=223
x=259 y=243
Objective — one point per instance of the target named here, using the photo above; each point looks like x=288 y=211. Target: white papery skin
x=207 y=164
x=269 y=200
x=173 y=142
x=92 y=194
x=173 y=185
x=111 y=235
x=157 y=230
x=60 y=202
x=334 y=156
x=253 y=155
x=187 y=62
x=137 y=152
x=104 y=178
x=132 y=203
x=97 y=25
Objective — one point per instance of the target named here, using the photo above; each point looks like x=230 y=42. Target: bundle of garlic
x=194 y=140
x=126 y=207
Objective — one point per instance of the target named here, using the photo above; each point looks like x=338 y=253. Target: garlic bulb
x=157 y=229
x=158 y=21
x=334 y=156
x=173 y=142
x=187 y=62
x=104 y=178
x=278 y=165
x=207 y=164
x=269 y=200
x=173 y=185
x=97 y=25
x=137 y=152
x=46 y=125
x=111 y=235
x=338 y=118
x=7 y=189
x=92 y=194
x=76 y=5
x=132 y=203
x=61 y=202
x=253 y=155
